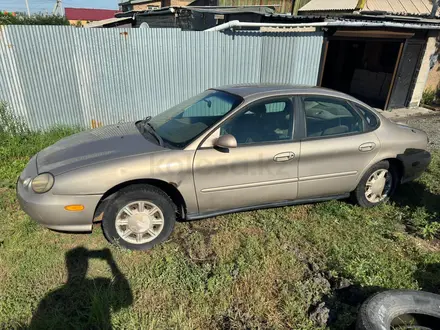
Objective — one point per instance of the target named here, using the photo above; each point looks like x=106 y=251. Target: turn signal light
x=74 y=208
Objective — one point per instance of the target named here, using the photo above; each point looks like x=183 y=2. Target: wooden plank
x=373 y=34
x=323 y=62
x=393 y=80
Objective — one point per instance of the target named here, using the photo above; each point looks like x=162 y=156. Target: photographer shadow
x=84 y=303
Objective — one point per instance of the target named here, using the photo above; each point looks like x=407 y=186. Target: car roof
x=253 y=90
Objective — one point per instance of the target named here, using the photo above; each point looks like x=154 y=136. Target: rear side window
x=326 y=116
x=370 y=118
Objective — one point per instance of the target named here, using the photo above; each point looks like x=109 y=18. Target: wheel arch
x=393 y=161
x=169 y=188
x=398 y=165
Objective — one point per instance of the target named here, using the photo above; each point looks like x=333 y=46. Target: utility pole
x=58 y=9
x=435 y=4
x=27 y=7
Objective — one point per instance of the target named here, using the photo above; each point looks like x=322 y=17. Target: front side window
x=327 y=116
x=264 y=121
x=183 y=123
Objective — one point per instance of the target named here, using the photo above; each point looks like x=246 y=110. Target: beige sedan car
x=226 y=150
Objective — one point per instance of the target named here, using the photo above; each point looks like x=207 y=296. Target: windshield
x=183 y=123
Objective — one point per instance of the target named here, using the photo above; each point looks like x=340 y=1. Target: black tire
x=358 y=195
x=131 y=194
x=387 y=310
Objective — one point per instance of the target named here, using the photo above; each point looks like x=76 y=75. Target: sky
x=43 y=5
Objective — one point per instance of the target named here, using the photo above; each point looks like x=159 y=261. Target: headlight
x=42 y=183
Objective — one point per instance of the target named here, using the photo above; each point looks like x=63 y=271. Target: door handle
x=284 y=156
x=365 y=147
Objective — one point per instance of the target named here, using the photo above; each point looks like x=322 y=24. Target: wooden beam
x=323 y=62
x=373 y=34
x=393 y=80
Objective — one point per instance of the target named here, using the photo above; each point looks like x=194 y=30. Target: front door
x=263 y=169
x=338 y=146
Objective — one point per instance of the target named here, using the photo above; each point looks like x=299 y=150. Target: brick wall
x=433 y=77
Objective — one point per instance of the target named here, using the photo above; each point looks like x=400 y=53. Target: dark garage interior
x=363 y=68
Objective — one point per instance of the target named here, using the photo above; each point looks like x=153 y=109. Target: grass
x=271 y=269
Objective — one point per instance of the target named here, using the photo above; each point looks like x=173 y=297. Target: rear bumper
x=415 y=162
x=48 y=209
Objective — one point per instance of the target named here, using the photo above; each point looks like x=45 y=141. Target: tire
x=358 y=195
x=140 y=224
x=390 y=309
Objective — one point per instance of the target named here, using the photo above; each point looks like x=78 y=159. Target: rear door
x=336 y=148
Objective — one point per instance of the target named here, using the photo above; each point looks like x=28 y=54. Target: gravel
x=430 y=124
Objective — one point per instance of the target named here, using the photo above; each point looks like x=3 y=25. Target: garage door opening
x=362 y=68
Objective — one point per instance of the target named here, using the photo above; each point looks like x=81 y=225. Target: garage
x=378 y=67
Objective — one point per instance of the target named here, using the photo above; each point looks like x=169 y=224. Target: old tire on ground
x=138 y=217
x=377 y=185
x=400 y=309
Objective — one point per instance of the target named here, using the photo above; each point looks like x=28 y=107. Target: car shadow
x=428 y=277
x=84 y=303
x=415 y=194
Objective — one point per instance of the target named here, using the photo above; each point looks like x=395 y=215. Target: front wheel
x=139 y=217
x=377 y=185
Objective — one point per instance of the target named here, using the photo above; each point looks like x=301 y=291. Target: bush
x=428 y=96
x=38 y=19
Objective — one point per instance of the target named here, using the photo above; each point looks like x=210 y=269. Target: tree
x=37 y=19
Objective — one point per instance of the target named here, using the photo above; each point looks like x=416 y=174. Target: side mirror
x=226 y=142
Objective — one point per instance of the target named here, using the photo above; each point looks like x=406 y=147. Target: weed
x=428 y=96
x=11 y=123
x=431 y=230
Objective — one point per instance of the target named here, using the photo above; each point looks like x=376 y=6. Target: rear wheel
x=377 y=185
x=139 y=217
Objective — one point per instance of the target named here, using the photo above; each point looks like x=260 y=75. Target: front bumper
x=48 y=209
x=415 y=162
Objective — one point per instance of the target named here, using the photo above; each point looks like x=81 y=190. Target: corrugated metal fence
x=52 y=75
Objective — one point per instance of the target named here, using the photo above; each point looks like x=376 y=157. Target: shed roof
x=89 y=14
x=401 y=7
x=411 y=7
x=326 y=5
x=134 y=2
x=103 y=22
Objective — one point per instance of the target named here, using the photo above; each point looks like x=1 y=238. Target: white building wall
x=424 y=70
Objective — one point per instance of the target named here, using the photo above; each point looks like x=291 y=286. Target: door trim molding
x=199 y=216
x=249 y=185
x=327 y=176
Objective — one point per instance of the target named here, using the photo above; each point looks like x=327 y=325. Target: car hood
x=94 y=146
